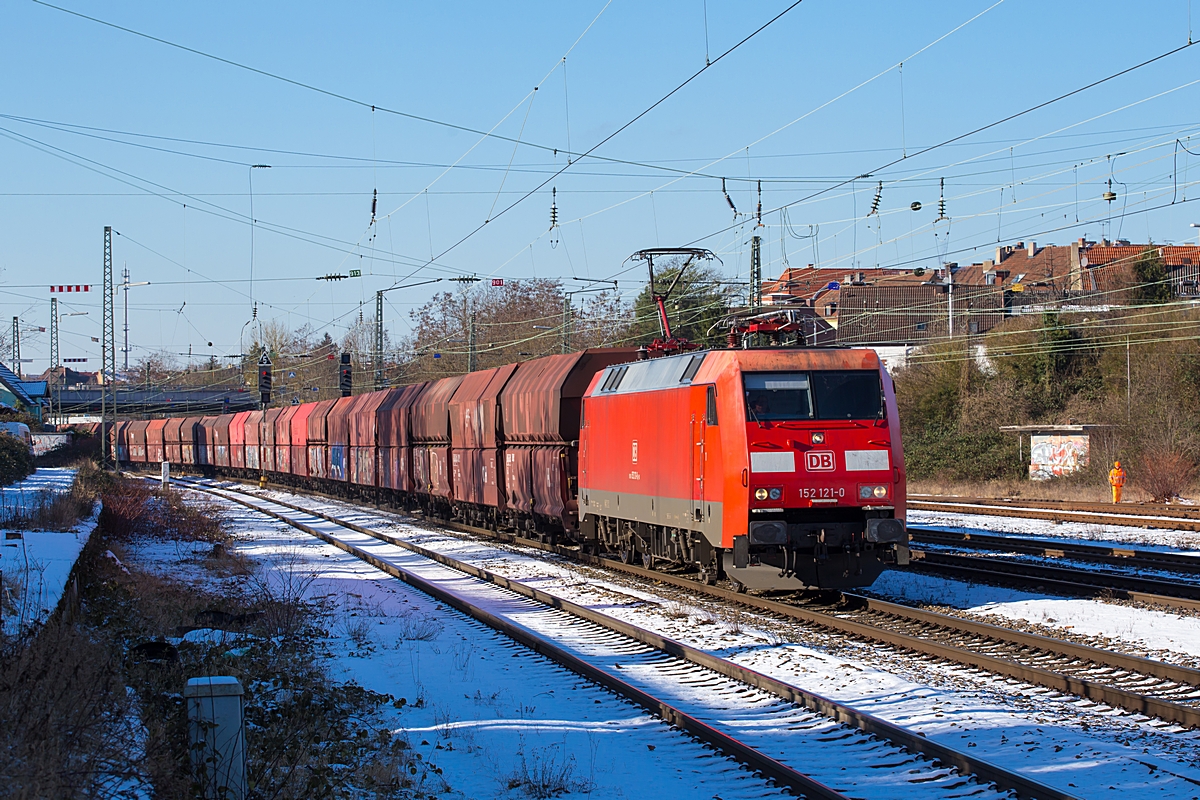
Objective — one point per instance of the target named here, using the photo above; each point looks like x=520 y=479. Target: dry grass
x=1075 y=490
x=71 y=726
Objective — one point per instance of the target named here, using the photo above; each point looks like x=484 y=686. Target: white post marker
x=166 y=474
x=217 y=737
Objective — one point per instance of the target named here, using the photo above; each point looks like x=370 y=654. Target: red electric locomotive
x=780 y=468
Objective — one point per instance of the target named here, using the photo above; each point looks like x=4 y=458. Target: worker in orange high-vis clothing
x=1116 y=479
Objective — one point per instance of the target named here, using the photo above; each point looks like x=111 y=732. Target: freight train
x=775 y=468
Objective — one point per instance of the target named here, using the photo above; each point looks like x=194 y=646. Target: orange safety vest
x=1116 y=477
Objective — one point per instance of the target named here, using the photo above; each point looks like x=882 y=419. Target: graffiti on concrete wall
x=1057 y=455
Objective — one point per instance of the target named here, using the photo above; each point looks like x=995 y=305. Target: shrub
x=16 y=460
x=1163 y=472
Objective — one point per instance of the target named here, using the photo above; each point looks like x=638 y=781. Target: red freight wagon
x=172 y=450
x=283 y=439
x=429 y=418
x=253 y=433
x=318 y=460
x=363 y=430
x=298 y=446
x=237 y=440
x=786 y=463
x=154 y=441
x=220 y=432
x=206 y=441
x=540 y=409
x=476 y=463
x=135 y=435
x=337 y=430
x=266 y=444
x=123 y=440
x=395 y=457
x=189 y=438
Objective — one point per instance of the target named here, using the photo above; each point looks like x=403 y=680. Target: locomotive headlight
x=880 y=492
x=864 y=492
x=775 y=494
x=760 y=494
x=818 y=438
x=868 y=491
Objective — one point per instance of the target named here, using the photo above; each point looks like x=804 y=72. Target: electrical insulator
x=942 y=202
x=345 y=376
x=728 y=199
x=553 y=207
x=758 y=212
x=875 y=202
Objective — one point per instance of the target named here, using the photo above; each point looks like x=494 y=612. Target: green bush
x=16 y=460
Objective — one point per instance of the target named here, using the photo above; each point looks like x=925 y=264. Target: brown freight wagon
x=364 y=427
x=123 y=440
x=155 y=452
x=283 y=439
x=220 y=432
x=266 y=443
x=189 y=436
x=475 y=456
x=540 y=409
x=135 y=437
x=429 y=418
x=337 y=430
x=172 y=450
x=206 y=441
x=395 y=456
x=318 y=458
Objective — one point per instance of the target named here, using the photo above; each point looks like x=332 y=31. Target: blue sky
x=783 y=109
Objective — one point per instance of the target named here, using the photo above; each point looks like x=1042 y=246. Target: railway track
x=741 y=712
x=1097 y=553
x=1168 y=692
x=1064 y=580
x=1156 y=516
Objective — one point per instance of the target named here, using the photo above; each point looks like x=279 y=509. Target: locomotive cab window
x=850 y=394
x=836 y=394
x=711 y=411
x=777 y=396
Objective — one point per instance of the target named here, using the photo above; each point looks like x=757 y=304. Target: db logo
x=819 y=461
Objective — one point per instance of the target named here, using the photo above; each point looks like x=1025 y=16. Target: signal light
x=264 y=384
x=345 y=376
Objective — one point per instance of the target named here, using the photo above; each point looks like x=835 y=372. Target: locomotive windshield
x=843 y=394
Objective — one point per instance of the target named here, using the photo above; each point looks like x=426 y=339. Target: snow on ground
x=47 y=480
x=476 y=704
x=1066 y=532
x=1141 y=627
x=36 y=565
x=1068 y=742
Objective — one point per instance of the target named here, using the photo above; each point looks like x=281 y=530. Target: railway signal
x=264 y=379
x=345 y=376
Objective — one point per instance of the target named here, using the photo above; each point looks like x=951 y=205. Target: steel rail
x=751 y=757
x=1175 y=522
x=1102 y=554
x=1182 y=596
x=914 y=742
x=1079 y=507
x=1091 y=690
